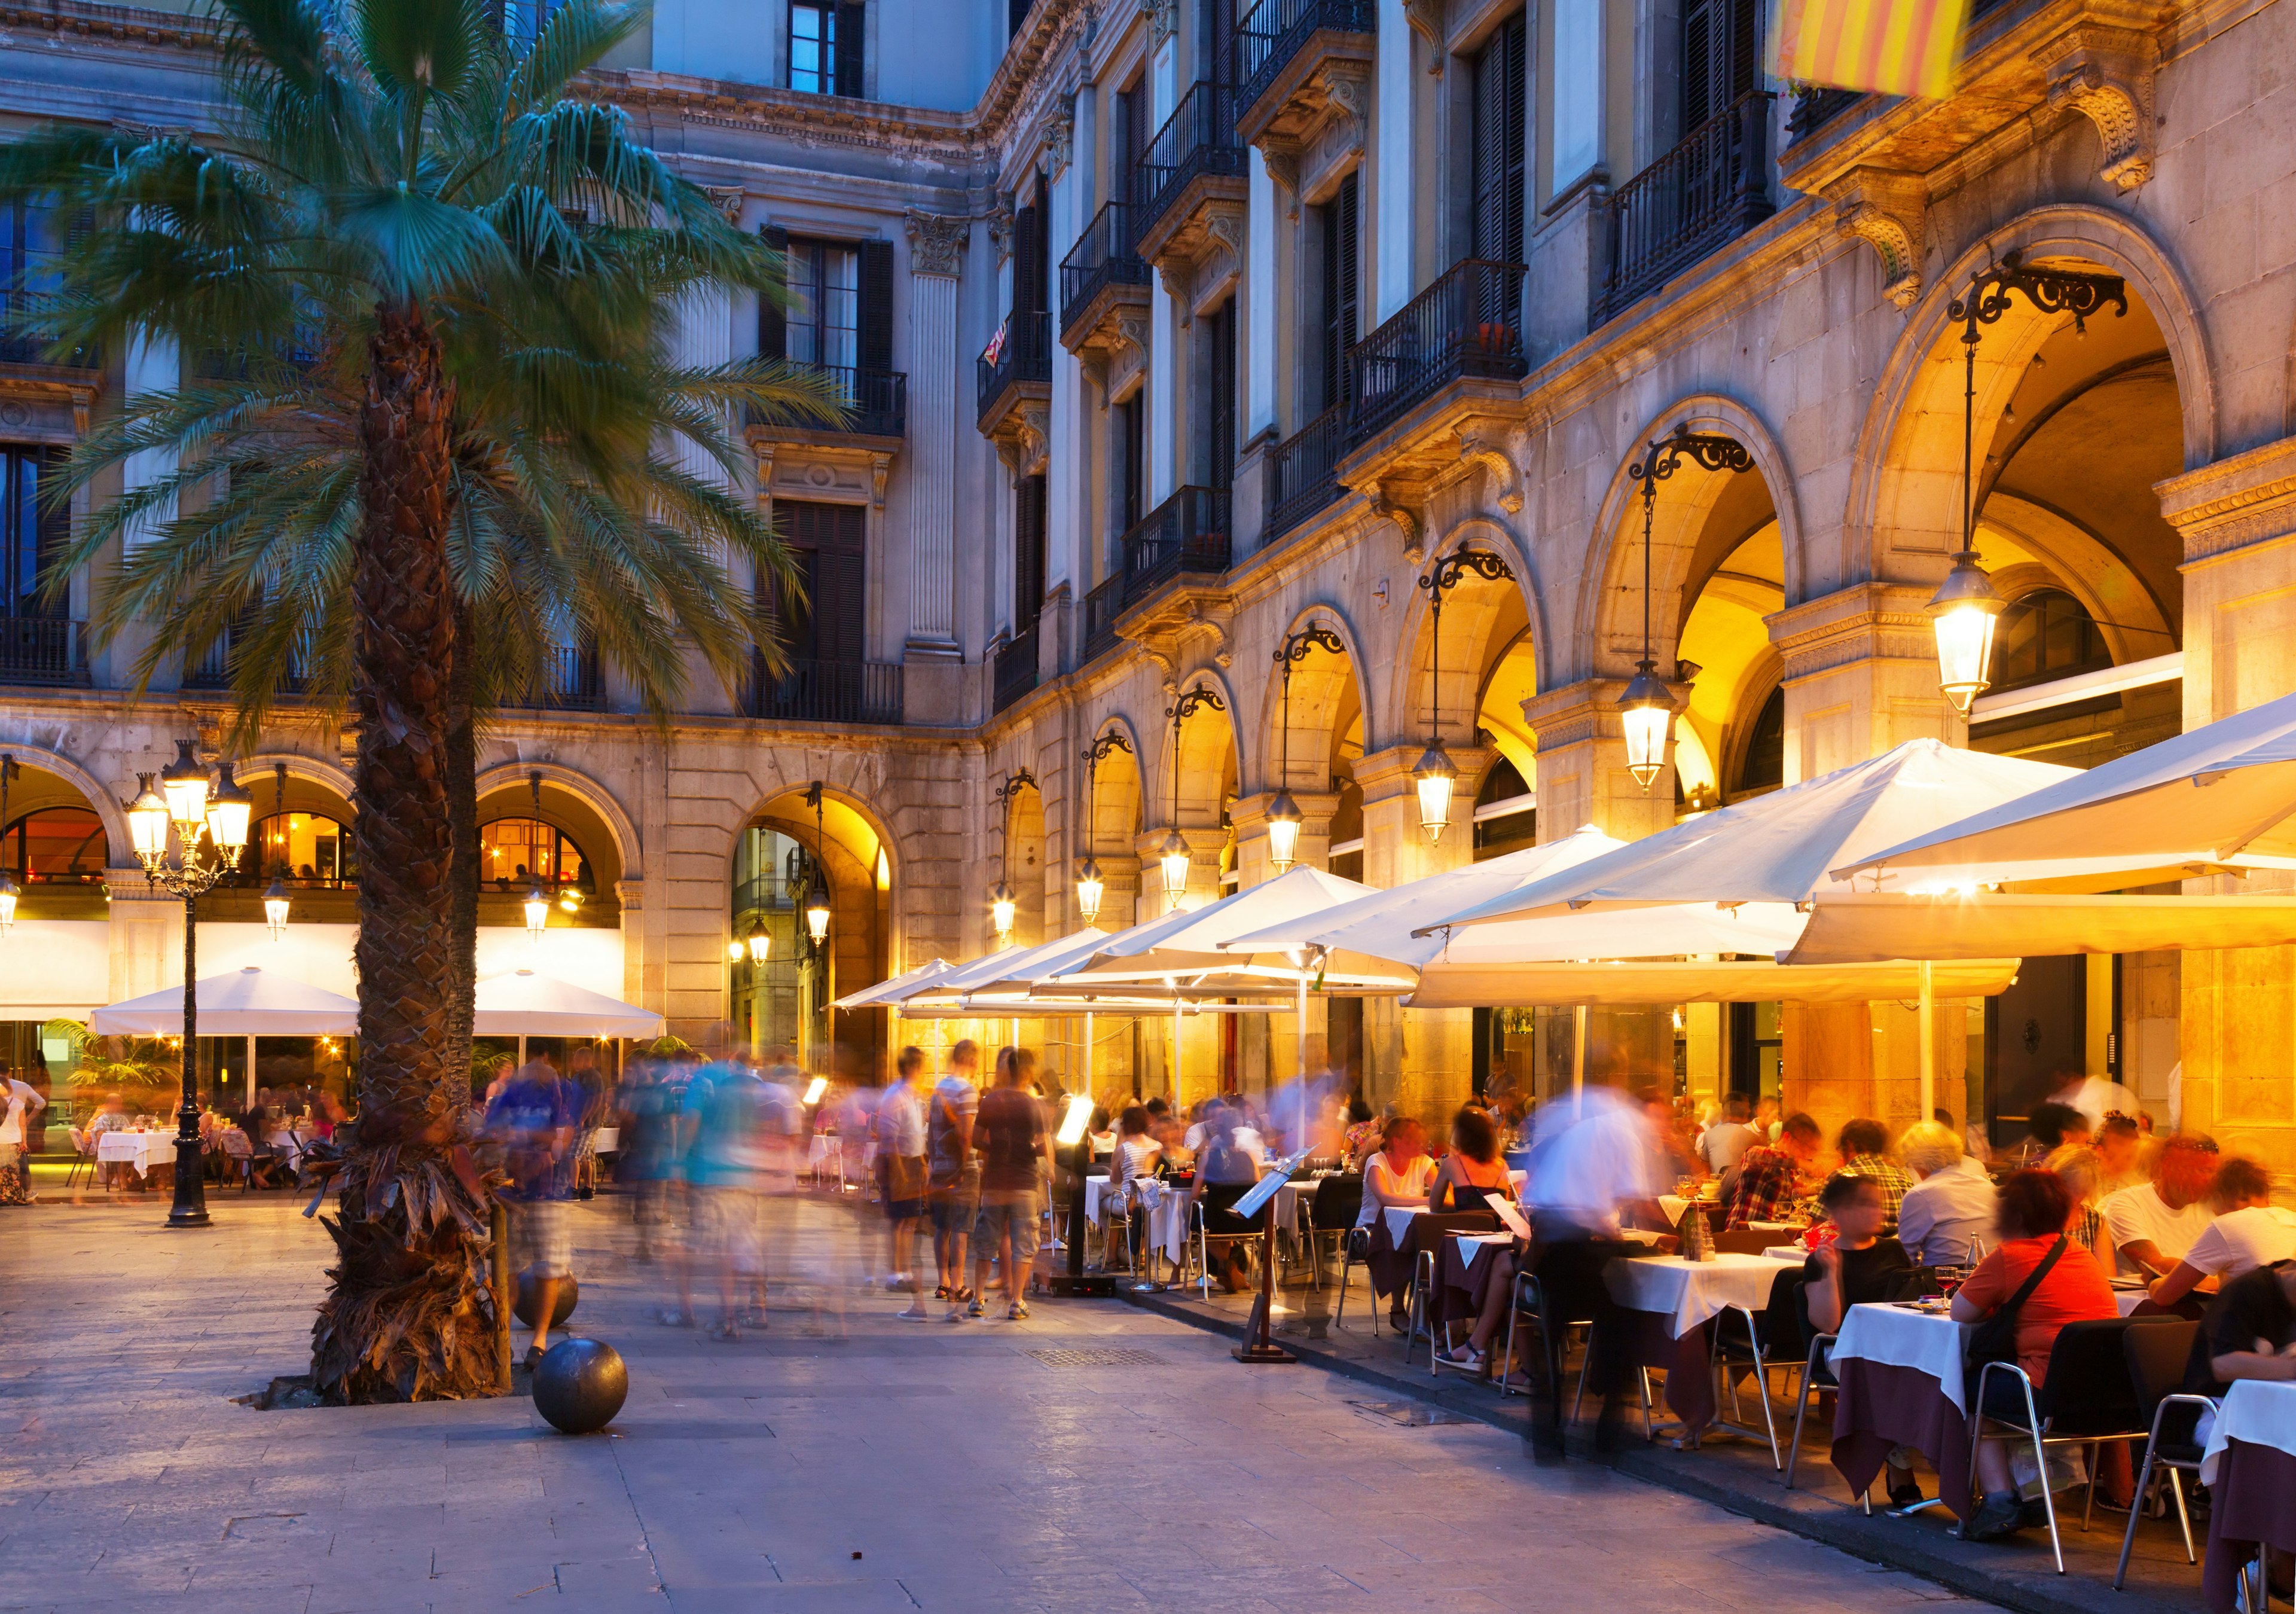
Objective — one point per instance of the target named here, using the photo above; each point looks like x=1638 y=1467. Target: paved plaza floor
x=1092 y=1457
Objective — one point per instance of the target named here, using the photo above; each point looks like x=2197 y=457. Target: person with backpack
x=2021 y=1297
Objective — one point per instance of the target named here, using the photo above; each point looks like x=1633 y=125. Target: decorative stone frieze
x=936 y=242
x=2106 y=74
x=1886 y=210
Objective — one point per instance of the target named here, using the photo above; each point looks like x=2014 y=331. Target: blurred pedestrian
x=533 y=1117
x=901 y=1164
x=953 y=1182
x=728 y=1165
x=1010 y=1136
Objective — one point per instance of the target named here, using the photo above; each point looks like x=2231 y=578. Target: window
x=1719 y=42
x=302 y=848
x=514 y=853
x=2044 y=635
x=1499 y=146
x=55 y=846
x=1336 y=221
x=1131 y=462
x=521 y=21
x=824 y=307
x=826 y=38
x=1763 y=768
x=1132 y=133
x=1219 y=344
x=33 y=533
x=1027 y=552
x=830 y=542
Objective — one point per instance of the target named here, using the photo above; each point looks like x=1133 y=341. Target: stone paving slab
x=965 y=1472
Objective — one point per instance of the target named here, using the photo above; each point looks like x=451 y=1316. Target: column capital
x=2234 y=503
x=1384 y=775
x=1865 y=622
x=937 y=243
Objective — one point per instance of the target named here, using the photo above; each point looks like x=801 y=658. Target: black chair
x=2157 y=1356
x=1337 y=1203
x=1744 y=1341
x=1354 y=1250
x=1422 y=1246
x=2087 y=1399
x=1215 y=1222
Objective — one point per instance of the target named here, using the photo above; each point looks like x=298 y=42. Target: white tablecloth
x=1399 y=1222
x=144 y=1148
x=1474 y=1246
x=1901 y=1337
x=606 y=1140
x=1168 y=1222
x=1786 y=1252
x=2256 y=1411
x=1687 y=1293
x=824 y=1147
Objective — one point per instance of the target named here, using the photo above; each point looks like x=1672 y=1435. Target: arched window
x=1762 y=765
x=302 y=848
x=2044 y=635
x=514 y=853
x=55 y=846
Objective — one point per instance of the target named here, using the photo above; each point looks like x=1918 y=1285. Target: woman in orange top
x=2036 y=1208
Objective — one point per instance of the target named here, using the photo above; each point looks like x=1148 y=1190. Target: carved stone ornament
x=1476 y=449
x=937 y=243
x=1885 y=210
x=1060 y=139
x=1407 y=524
x=1163 y=20
x=728 y=199
x=1035 y=436
x=1000 y=232
x=1350 y=91
x=1282 y=159
x=1132 y=332
x=881 y=468
x=1426 y=20
x=2106 y=74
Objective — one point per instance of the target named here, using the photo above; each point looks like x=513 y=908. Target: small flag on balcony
x=995 y=348
x=1897 y=47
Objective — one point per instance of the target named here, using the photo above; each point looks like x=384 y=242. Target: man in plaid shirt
x=1865 y=1146
x=1771 y=1186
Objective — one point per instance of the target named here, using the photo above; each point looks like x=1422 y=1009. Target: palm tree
x=427 y=292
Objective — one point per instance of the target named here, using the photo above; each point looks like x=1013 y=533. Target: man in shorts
x=1011 y=1138
x=901 y=1161
x=953 y=1182
x=534 y=1117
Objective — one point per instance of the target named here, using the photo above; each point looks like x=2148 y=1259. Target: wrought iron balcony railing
x=1300 y=471
x=1106 y=255
x=1272 y=33
x=1025 y=355
x=569 y=680
x=43 y=650
x=1101 y=607
x=1710 y=190
x=1186 y=533
x=1467 y=323
x=1198 y=138
x=1016 y=666
x=827 y=691
x=877 y=400
x=214 y=669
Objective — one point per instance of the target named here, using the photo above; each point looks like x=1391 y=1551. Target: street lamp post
x=1647 y=709
x=187 y=804
x=1283 y=819
x=1436 y=775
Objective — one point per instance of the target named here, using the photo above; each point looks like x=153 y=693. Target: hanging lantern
x=1002 y=906
x=147 y=822
x=1173 y=855
x=734 y=951
x=8 y=893
x=538 y=910
x=760 y=944
x=1091 y=886
x=1964 y=614
x=1646 y=712
x=816 y=912
x=1283 y=831
x=274 y=907
x=229 y=812
x=1435 y=777
x=184 y=784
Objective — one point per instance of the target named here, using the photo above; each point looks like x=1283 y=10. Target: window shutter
x=877 y=337
x=1027 y=552
x=1698 y=63
x=773 y=319
x=1222 y=446
x=851 y=31
x=840 y=604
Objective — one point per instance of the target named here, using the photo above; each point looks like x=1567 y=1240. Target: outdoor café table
x=1670 y=1302
x=1900 y=1369
x=606 y=1140
x=143 y=1150
x=1167 y=1221
x=2250 y=1468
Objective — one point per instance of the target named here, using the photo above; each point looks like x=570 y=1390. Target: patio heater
x=1436 y=775
x=1284 y=818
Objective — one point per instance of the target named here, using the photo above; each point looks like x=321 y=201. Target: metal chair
x=1424 y=1244
x=1215 y=1219
x=83 y=1157
x=1337 y=1203
x=2157 y=1358
x=1354 y=1250
x=1529 y=1300
x=1757 y=1342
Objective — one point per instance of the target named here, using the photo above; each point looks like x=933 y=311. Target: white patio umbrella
x=526 y=1004
x=1736 y=880
x=899 y=989
x=252 y=1002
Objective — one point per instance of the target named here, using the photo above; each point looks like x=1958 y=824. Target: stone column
x=152 y=367
x=703 y=338
x=1201 y=1035
x=1861 y=676
x=936 y=259
x=1391 y=161
x=1583 y=777
x=1260 y=400
x=147 y=935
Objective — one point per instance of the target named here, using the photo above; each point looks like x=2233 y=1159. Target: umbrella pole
x=250 y=1070
x=1088 y=1050
x=1175 y=1061
x=522 y=1050
x=1927 y=971
x=1577 y=1049
x=1303 y=1025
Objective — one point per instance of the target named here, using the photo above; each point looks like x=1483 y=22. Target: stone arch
x=1206 y=757
x=119 y=846
x=1117 y=807
x=1021 y=859
x=1300 y=751
x=1608 y=627
x=1902 y=515
x=1478 y=617
x=584 y=789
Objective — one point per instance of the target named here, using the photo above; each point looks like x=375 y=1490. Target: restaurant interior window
x=303 y=849
x=825 y=38
x=1763 y=765
x=2046 y=635
x=55 y=846
x=516 y=852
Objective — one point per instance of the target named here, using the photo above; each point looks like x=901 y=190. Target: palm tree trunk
x=409 y=1317
x=462 y=815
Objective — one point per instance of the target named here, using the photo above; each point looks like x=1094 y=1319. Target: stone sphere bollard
x=522 y=1306
x=580 y=1384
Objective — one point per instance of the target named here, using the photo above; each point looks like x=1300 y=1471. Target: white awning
x=887 y=994
x=1188 y=948
x=252 y=1002
x=524 y=1003
x=1446 y=985
x=1846 y=927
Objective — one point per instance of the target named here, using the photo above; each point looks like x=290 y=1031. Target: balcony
x=1816 y=104
x=1301 y=480
x=1706 y=192
x=826 y=692
x=1289 y=54
x=1103 y=279
x=214 y=670
x=25 y=277
x=1013 y=377
x=1187 y=536
x=1193 y=170
x=1100 y=609
x=568 y=680
x=1016 y=668
x=43 y=650
x=1466 y=325
x=878 y=401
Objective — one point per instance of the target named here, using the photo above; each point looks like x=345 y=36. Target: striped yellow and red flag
x=1898 y=47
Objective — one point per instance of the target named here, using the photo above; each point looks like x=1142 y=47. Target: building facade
x=1176 y=327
